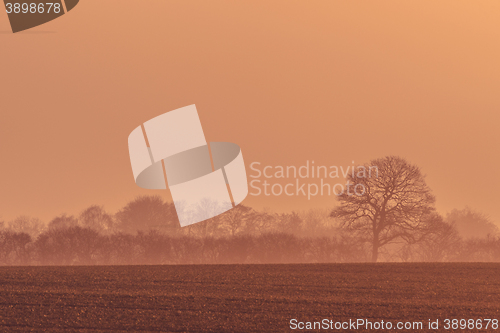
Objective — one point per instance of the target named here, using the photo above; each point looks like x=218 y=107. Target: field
x=241 y=298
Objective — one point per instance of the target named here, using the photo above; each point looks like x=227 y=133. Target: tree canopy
x=390 y=204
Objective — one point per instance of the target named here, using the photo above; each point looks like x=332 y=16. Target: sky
x=289 y=81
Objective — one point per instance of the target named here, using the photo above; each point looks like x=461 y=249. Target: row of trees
x=84 y=246
x=147 y=213
x=394 y=220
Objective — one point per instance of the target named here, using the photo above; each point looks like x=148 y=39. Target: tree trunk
x=374 y=254
x=375 y=246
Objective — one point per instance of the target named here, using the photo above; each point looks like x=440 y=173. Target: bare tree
x=68 y=246
x=472 y=224
x=262 y=222
x=442 y=244
x=289 y=223
x=30 y=225
x=207 y=211
x=147 y=212
x=95 y=217
x=63 y=222
x=14 y=248
x=316 y=223
x=385 y=201
x=235 y=220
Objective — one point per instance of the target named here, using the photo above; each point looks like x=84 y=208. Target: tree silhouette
x=439 y=242
x=68 y=246
x=262 y=222
x=29 y=225
x=235 y=220
x=147 y=212
x=95 y=217
x=14 y=247
x=390 y=202
x=63 y=222
x=472 y=224
x=289 y=223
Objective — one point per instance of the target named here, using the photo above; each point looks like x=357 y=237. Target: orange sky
x=289 y=81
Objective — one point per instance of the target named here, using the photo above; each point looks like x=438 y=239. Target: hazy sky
x=288 y=81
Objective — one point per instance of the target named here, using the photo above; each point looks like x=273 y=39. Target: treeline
x=84 y=246
x=146 y=231
x=147 y=213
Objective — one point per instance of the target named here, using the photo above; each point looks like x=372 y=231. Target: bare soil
x=241 y=298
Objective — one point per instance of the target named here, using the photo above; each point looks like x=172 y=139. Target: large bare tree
x=385 y=201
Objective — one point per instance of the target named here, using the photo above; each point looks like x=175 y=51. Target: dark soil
x=241 y=298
